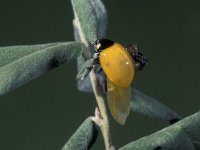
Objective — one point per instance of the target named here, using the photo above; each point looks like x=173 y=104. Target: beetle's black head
x=101 y=44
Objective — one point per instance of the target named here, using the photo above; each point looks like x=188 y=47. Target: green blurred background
x=44 y=113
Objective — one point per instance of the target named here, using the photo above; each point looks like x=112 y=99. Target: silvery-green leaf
x=90 y=19
x=89 y=24
x=76 y=32
x=191 y=126
x=83 y=138
x=182 y=135
x=85 y=69
x=85 y=84
x=101 y=15
x=149 y=106
x=170 y=138
x=20 y=64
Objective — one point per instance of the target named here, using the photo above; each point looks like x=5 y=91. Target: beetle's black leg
x=97 y=68
x=96 y=57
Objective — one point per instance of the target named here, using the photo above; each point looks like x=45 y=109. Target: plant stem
x=104 y=122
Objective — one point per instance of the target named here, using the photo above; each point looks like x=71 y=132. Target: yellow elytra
x=119 y=68
x=118 y=65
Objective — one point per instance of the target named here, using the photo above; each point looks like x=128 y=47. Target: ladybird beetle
x=119 y=65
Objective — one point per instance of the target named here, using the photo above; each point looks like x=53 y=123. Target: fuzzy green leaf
x=90 y=19
x=146 y=105
x=182 y=135
x=101 y=15
x=85 y=70
x=171 y=138
x=20 y=64
x=191 y=126
x=90 y=23
x=84 y=85
x=83 y=138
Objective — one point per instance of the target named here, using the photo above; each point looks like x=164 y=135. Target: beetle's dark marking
x=123 y=63
x=157 y=148
x=107 y=64
x=174 y=120
x=105 y=43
